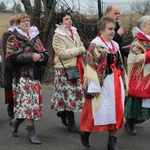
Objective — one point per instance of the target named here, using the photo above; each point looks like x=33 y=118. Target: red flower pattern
x=28 y=103
x=73 y=104
x=60 y=103
x=70 y=96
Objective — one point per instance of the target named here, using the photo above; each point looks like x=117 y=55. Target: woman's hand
x=120 y=31
x=95 y=94
x=82 y=50
x=86 y=82
x=36 y=57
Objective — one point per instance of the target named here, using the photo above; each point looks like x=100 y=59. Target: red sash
x=81 y=69
x=118 y=97
x=79 y=62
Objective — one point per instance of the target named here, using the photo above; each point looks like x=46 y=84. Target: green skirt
x=134 y=109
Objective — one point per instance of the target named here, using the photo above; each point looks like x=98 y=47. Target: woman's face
x=67 y=22
x=109 y=32
x=146 y=28
x=24 y=24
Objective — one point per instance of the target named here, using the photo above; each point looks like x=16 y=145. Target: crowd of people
x=79 y=86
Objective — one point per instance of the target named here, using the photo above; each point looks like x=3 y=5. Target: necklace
x=111 y=50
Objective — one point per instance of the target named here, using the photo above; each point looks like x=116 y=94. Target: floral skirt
x=87 y=120
x=134 y=109
x=27 y=96
x=67 y=95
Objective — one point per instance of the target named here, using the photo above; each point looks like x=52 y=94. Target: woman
x=138 y=106
x=28 y=57
x=103 y=112
x=67 y=95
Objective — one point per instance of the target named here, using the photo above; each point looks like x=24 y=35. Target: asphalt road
x=54 y=134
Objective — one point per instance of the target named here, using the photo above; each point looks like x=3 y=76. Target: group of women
x=100 y=75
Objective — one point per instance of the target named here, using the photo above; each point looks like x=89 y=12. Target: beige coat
x=65 y=48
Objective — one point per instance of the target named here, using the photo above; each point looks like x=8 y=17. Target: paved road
x=56 y=137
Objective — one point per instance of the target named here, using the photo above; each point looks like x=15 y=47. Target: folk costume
x=103 y=70
x=27 y=74
x=138 y=103
x=67 y=95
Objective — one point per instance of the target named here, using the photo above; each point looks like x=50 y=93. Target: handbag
x=72 y=73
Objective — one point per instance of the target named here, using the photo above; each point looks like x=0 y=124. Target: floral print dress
x=27 y=97
x=67 y=95
x=27 y=74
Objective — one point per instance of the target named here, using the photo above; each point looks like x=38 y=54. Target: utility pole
x=15 y=10
x=99 y=3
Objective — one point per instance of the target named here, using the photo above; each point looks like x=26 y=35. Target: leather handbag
x=72 y=73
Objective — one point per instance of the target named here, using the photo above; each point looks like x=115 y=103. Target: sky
x=86 y=6
x=90 y=6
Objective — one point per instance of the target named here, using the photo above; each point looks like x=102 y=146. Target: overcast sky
x=89 y=6
x=86 y=6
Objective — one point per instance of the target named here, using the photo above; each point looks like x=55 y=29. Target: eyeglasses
x=24 y=20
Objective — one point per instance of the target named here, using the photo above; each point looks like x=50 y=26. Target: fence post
x=99 y=3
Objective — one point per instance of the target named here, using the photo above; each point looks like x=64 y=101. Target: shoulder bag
x=72 y=73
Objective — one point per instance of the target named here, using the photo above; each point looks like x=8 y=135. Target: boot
x=62 y=114
x=10 y=109
x=112 y=143
x=15 y=124
x=85 y=138
x=32 y=135
x=71 y=120
x=129 y=126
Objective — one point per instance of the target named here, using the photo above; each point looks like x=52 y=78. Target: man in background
x=114 y=12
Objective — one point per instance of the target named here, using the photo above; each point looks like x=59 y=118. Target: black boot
x=62 y=114
x=129 y=126
x=85 y=138
x=10 y=109
x=71 y=120
x=32 y=135
x=112 y=143
x=15 y=124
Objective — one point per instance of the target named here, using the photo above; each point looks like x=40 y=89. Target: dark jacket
x=23 y=64
x=117 y=37
x=7 y=65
